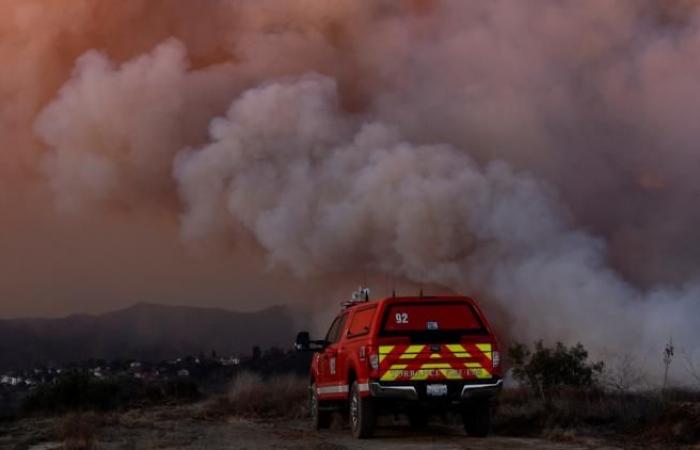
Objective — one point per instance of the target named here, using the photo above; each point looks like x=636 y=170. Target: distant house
x=11 y=380
x=230 y=361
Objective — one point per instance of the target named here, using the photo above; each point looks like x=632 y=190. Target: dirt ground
x=176 y=428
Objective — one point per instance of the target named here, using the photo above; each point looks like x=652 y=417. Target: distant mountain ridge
x=143 y=331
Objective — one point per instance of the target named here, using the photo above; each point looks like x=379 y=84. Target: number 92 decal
x=401 y=317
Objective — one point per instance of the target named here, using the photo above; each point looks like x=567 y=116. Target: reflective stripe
x=364 y=387
x=384 y=350
x=478 y=371
x=485 y=349
x=456 y=361
x=426 y=371
x=436 y=366
x=414 y=349
x=393 y=372
x=455 y=348
x=338 y=389
x=451 y=374
x=458 y=350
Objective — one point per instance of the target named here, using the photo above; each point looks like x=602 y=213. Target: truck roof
x=424 y=298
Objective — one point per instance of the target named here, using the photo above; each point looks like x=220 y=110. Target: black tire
x=477 y=419
x=362 y=415
x=418 y=418
x=319 y=419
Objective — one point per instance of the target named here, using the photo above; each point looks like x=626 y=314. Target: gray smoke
x=324 y=192
x=541 y=156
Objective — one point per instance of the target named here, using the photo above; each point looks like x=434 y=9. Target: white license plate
x=436 y=390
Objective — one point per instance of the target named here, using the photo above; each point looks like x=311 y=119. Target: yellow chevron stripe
x=485 y=349
x=414 y=349
x=435 y=356
x=451 y=374
x=455 y=348
x=384 y=350
x=477 y=370
x=458 y=350
x=435 y=366
x=393 y=372
x=445 y=369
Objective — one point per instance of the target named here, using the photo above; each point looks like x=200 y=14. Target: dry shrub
x=78 y=431
x=570 y=413
x=678 y=423
x=251 y=395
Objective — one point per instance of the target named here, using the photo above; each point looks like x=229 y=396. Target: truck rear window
x=432 y=317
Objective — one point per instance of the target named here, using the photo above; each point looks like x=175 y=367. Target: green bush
x=545 y=369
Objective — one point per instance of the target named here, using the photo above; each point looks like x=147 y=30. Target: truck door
x=332 y=383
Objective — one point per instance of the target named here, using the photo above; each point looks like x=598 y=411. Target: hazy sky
x=244 y=153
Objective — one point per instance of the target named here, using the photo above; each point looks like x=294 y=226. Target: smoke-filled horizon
x=542 y=155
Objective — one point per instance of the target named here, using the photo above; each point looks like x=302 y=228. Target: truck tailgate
x=433 y=362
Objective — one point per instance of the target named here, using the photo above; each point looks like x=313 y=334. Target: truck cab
x=412 y=355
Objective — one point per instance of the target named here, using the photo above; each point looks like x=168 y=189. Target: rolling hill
x=144 y=331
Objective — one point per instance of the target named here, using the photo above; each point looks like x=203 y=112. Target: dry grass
x=570 y=413
x=250 y=395
x=78 y=431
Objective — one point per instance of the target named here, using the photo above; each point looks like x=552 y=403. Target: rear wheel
x=362 y=415
x=319 y=419
x=477 y=419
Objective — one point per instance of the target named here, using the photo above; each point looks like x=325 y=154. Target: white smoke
x=326 y=192
x=115 y=129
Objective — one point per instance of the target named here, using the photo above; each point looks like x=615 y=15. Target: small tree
x=668 y=357
x=546 y=369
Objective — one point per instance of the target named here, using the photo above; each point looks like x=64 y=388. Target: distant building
x=230 y=361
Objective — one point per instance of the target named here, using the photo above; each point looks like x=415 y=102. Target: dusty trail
x=177 y=429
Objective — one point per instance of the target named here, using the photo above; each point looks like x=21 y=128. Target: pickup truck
x=412 y=355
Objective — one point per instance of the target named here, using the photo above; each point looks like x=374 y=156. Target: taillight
x=374 y=361
x=496 y=358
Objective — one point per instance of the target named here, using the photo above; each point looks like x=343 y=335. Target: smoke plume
x=542 y=157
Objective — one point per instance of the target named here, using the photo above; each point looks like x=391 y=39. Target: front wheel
x=362 y=415
x=477 y=419
x=319 y=419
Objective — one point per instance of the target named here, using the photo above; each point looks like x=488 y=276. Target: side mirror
x=303 y=342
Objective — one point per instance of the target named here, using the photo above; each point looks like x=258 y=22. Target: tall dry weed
x=251 y=395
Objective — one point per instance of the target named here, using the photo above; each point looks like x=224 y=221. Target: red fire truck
x=412 y=355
